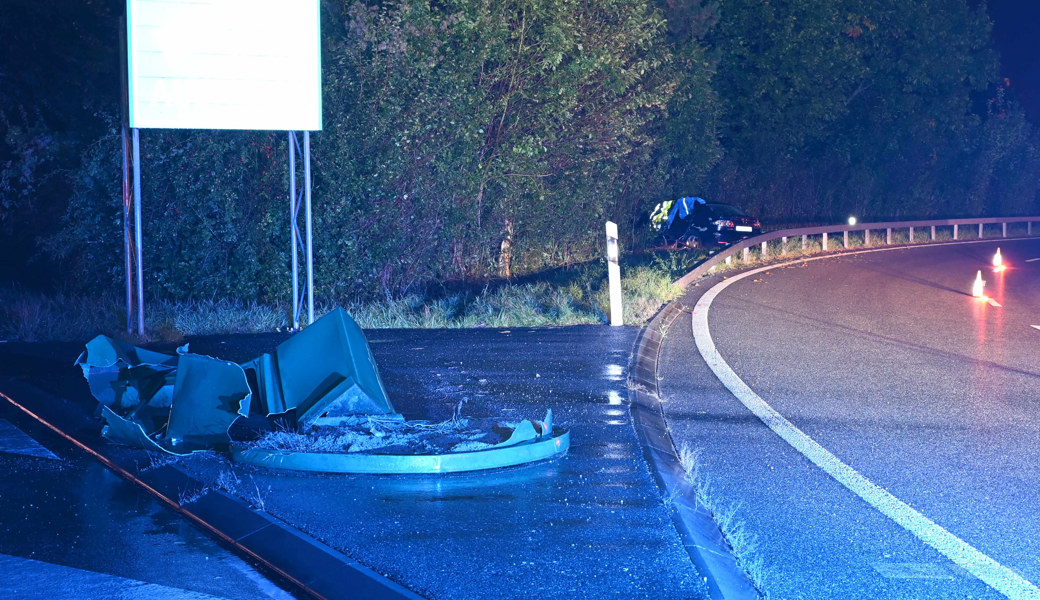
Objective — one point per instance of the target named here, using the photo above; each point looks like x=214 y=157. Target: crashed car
x=697 y=223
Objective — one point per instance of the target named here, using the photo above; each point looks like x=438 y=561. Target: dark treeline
x=467 y=139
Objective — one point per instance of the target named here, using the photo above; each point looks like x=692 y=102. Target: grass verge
x=567 y=296
x=743 y=542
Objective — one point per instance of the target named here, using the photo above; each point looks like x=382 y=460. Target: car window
x=726 y=210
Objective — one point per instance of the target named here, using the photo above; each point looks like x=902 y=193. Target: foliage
x=213 y=211
x=469 y=139
x=486 y=135
x=865 y=108
x=44 y=126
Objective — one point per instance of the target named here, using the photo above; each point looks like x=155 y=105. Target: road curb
x=701 y=536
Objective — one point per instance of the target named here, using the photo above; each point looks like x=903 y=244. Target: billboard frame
x=130 y=137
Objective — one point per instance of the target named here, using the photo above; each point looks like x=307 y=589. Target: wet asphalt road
x=71 y=529
x=885 y=360
x=589 y=525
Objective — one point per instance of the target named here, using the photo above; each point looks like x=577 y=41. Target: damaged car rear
x=697 y=223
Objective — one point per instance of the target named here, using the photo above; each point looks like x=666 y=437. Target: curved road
x=928 y=397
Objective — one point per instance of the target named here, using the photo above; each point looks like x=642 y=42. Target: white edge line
x=992 y=573
x=1032 y=259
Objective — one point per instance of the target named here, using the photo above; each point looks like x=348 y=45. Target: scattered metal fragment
x=326 y=372
x=126 y=379
x=176 y=404
x=404 y=447
x=208 y=396
x=529 y=430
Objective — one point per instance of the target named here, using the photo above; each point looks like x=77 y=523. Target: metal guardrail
x=761 y=247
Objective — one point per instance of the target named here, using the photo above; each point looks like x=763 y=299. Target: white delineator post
x=614 y=274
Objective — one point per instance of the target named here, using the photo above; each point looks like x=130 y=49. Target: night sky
x=1016 y=35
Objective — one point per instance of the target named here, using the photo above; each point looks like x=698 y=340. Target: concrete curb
x=701 y=536
x=311 y=567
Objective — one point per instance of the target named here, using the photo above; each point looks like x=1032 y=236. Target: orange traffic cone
x=976 y=289
x=998 y=261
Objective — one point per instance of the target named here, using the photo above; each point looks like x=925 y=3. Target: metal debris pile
x=323 y=380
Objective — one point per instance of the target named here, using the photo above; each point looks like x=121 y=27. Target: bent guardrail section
x=786 y=242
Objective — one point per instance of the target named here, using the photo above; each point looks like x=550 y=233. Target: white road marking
x=1035 y=326
x=993 y=302
x=1032 y=259
x=992 y=573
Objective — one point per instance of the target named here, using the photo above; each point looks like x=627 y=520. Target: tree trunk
x=505 y=254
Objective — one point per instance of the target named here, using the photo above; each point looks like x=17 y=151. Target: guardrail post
x=747 y=255
x=783 y=246
x=1029 y=228
x=1003 y=229
x=866 y=237
x=729 y=259
x=765 y=249
x=846 y=239
x=980 y=231
x=888 y=236
x=933 y=233
x=805 y=242
x=824 y=241
x=954 y=231
x=911 y=234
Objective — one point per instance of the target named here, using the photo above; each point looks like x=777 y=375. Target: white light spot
x=614 y=372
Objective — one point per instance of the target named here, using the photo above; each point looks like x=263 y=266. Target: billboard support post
x=124 y=139
x=128 y=245
x=137 y=229
x=301 y=242
x=294 y=232
x=307 y=210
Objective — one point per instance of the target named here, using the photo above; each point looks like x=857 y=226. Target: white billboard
x=224 y=64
